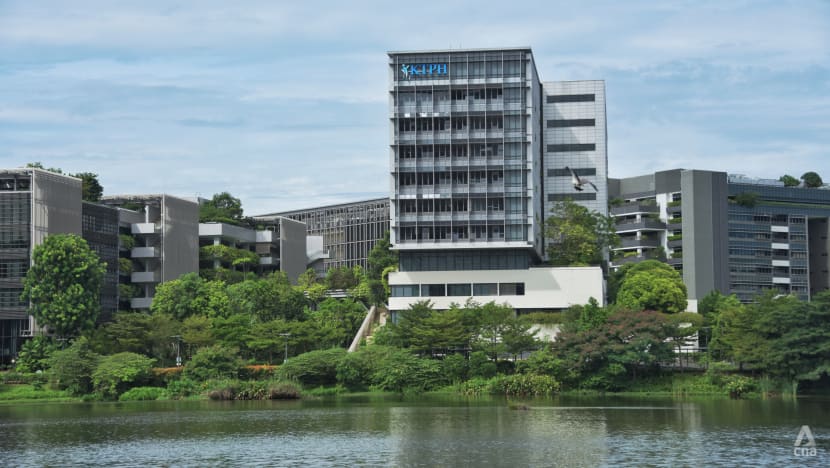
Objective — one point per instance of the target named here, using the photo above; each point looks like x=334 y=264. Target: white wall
x=545 y=288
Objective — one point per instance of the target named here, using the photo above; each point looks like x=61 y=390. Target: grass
x=13 y=393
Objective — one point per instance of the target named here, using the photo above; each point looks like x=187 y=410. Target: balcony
x=634 y=208
x=144 y=277
x=141 y=302
x=630 y=243
x=675 y=243
x=144 y=228
x=268 y=261
x=645 y=224
x=144 y=252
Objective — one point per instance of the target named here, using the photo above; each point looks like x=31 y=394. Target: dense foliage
x=64 y=284
x=578 y=236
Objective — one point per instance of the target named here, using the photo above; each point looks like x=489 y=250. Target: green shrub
x=481 y=366
x=143 y=393
x=524 y=385
x=117 y=373
x=313 y=368
x=475 y=386
x=72 y=367
x=213 y=362
x=544 y=318
x=738 y=385
x=34 y=354
x=181 y=388
x=454 y=367
x=354 y=370
x=254 y=390
x=400 y=370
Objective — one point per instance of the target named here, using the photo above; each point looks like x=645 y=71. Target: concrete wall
x=545 y=288
x=292 y=248
x=705 y=232
x=818 y=231
x=180 y=237
x=56 y=205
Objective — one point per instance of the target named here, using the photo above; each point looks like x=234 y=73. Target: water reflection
x=422 y=432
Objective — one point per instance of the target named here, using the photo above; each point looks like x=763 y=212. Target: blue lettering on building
x=410 y=70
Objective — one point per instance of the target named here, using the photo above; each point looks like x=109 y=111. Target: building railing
x=633 y=208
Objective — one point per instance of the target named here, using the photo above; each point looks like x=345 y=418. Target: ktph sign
x=416 y=70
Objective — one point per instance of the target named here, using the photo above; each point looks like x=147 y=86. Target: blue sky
x=284 y=103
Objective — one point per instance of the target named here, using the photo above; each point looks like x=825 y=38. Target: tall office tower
x=466 y=182
x=575 y=139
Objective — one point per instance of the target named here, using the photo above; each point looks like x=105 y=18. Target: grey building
x=348 y=230
x=34 y=203
x=99 y=226
x=730 y=233
x=165 y=233
x=575 y=137
x=281 y=247
x=478 y=152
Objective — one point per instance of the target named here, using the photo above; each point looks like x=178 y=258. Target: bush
x=475 y=387
x=72 y=367
x=354 y=370
x=738 y=385
x=143 y=393
x=181 y=388
x=481 y=366
x=543 y=318
x=454 y=367
x=254 y=390
x=524 y=385
x=34 y=354
x=213 y=362
x=400 y=371
x=258 y=372
x=313 y=368
x=117 y=373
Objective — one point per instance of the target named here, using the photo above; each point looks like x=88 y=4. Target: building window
x=433 y=290
x=570 y=98
x=563 y=123
x=582 y=196
x=458 y=290
x=485 y=289
x=511 y=289
x=405 y=290
x=564 y=148
x=580 y=171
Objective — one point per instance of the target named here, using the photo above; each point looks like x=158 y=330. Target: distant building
x=733 y=234
x=348 y=230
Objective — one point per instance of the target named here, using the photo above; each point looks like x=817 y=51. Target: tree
x=64 y=284
x=381 y=257
x=789 y=181
x=222 y=208
x=34 y=354
x=652 y=285
x=115 y=374
x=710 y=307
x=91 y=189
x=72 y=367
x=213 y=362
x=747 y=199
x=812 y=180
x=578 y=235
x=190 y=295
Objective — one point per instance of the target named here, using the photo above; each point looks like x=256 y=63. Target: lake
x=421 y=431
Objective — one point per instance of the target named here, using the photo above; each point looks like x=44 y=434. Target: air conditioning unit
x=26 y=333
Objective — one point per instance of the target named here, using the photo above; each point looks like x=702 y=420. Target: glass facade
x=462 y=126
x=349 y=230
